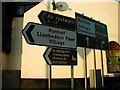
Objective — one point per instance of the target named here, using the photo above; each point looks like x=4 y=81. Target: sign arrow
x=74 y=58
x=42 y=16
x=102 y=43
x=87 y=39
x=46 y=56
x=55 y=56
x=28 y=33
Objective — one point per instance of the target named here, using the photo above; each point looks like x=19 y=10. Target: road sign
x=85 y=31
x=37 y=34
x=91 y=33
x=57 y=20
x=57 y=56
x=101 y=36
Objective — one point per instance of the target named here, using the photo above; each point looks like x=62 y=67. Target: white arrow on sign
x=47 y=56
x=102 y=43
x=87 y=39
x=42 y=16
x=73 y=58
x=38 y=34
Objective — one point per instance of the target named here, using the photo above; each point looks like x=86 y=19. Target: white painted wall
x=119 y=22
x=33 y=64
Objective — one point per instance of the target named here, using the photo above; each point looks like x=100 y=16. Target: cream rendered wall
x=33 y=64
x=119 y=23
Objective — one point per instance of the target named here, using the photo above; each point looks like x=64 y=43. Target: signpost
x=85 y=66
x=58 y=32
x=102 y=69
x=57 y=20
x=62 y=35
x=85 y=37
x=61 y=21
x=58 y=56
x=37 y=34
x=54 y=19
x=91 y=34
x=101 y=43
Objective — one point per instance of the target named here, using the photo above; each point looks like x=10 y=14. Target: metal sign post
x=49 y=66
x=49 y=76
x=85 y=66
x=102 y=64
x=102 y=69
x=95 y=68
x=72 y=77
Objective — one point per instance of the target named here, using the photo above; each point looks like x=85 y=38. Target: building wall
x=11 y=26
x=14 y=58
x=119 y=22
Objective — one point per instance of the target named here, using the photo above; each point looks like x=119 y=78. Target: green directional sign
x=109 y=60
x=118 y=60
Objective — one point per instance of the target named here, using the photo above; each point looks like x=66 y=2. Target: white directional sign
x=38 y=34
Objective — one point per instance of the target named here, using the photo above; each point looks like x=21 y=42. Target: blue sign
x=91 y=33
